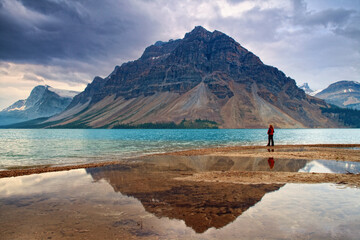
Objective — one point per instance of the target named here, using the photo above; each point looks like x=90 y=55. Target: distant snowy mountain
x=344 y=94
x=306 y=88
x=44 y=101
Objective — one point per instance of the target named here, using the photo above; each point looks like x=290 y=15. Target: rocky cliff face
x=345 y=94
x=205 y=75
x=43 y=101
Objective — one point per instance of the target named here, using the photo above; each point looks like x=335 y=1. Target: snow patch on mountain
x=63 y=93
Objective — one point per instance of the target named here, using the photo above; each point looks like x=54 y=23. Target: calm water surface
x=30 y=147
x=203 y=163
x=126 y=203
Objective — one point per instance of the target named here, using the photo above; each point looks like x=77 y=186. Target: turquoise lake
x=31 y=147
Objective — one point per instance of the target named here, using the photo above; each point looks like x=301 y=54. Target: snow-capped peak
x=63 y=93
x=306 y=88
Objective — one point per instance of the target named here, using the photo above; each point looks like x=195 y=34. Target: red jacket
x=271 y=162
x=271 y=131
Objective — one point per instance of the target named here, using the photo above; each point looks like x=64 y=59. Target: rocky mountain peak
x=198 y=33
x=35 y=95
x=159 y=49
x=306 y=88
x=205 y=75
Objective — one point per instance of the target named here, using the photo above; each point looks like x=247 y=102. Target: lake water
x=31 y=147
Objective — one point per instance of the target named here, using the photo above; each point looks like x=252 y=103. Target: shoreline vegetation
x=349 y=117
x=184 y=124
x=337 y=152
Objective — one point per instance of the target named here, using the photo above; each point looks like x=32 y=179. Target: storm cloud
x=43 y=30
x=69 y=42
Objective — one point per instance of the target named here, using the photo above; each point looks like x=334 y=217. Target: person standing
x=271 y=135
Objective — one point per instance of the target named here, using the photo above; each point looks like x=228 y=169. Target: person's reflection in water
x=271 y=160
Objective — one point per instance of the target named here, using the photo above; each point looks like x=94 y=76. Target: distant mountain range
x=44 y=101
x=345 y=94
x=205 y=80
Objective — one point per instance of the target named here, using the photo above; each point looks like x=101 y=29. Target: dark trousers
x=271 y=139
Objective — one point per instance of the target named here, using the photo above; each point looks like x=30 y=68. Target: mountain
x=206 y=75
x=345 y=94
x=43 y=101
x=306 y=88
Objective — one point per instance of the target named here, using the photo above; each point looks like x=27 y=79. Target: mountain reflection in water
x=200 y=205
x=142 y=199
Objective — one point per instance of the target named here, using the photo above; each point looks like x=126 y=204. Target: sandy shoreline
x=45 y=169
x=339 y=152
x=273 y=178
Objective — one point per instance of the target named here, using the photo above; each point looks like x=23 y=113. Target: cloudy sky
x=66 y=43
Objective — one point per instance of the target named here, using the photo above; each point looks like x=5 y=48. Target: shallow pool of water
x=201 y=163
x=145 y=201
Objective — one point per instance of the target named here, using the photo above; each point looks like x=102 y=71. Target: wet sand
x=45 y=169
x=338 y=152
x=274 y=178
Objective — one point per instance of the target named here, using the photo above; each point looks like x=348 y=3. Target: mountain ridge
x=43 y=101
x=206 y=75
x=345 y=94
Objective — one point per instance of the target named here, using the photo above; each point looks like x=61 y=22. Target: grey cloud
x=61 y=75
x=351 y=30
x=79 y=39
x=326 y=18
x=4 y=65
x=256 y=25
x=32 y=77
x=340 y=21
x=329 y=17
x=73 y=30
x=236 y=1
